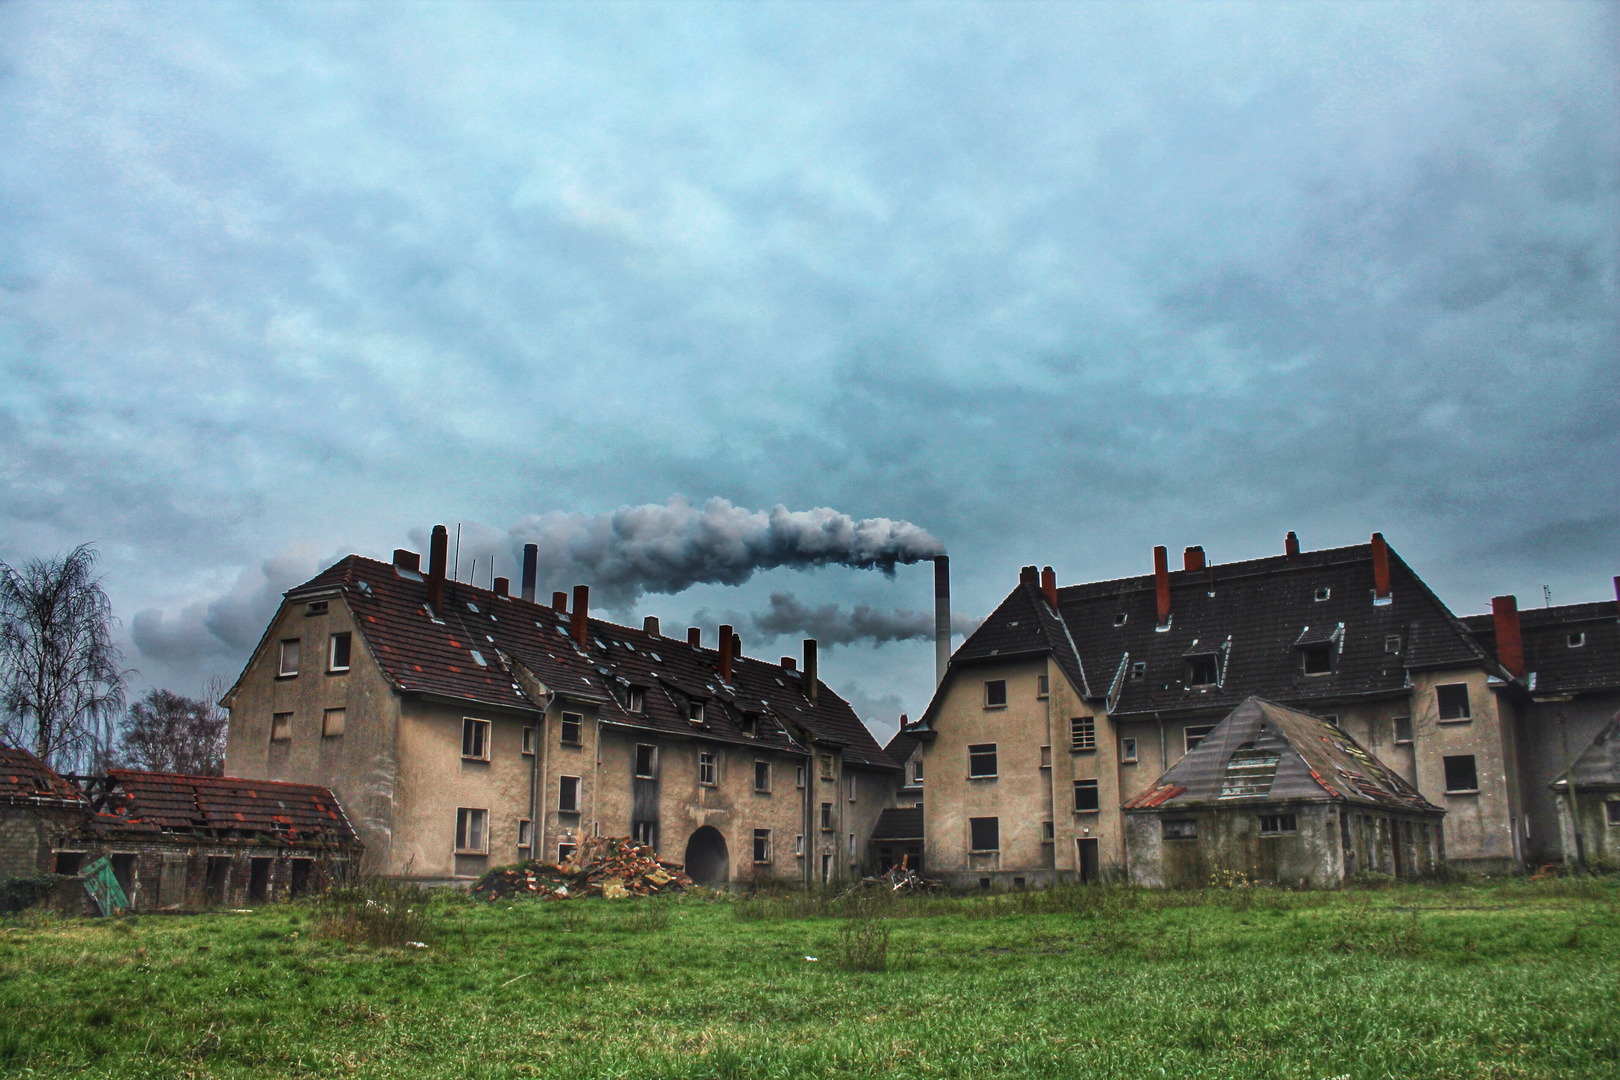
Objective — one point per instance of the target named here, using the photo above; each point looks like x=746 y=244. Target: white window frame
x=331 y=651
x=562 y=787
x=464 y=819
x=1127 y=751
x=282 y=670
x=327 y=716
x=467 y=726
x=708 y=769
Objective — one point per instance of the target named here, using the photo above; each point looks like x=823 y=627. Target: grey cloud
x=229 y=625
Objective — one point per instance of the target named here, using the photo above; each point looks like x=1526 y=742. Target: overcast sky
x=1053 y=282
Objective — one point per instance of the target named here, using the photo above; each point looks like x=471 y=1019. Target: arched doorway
x=707 y=861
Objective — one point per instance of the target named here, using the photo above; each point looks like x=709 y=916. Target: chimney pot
x=1380 y=554
x=903 y=721
x=810 y=680
x=649 y=626
x=694 y=637
x=503 y=587
x=582 y=608
x=727 y=643
x=1509 y=642
x=559 y=602
x=438 y=554
x=1291 y=545
x=408 y=560
x=1049 y=587
x=1193 y=558
x=789 y=664
x=1161 y=582
x=531 y=560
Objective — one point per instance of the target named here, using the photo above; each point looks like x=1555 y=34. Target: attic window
x=1316 y=659
x=635 y=699
x=696 y=715
x=1575 y=641
x=1323 y=593
x=472 y=607
x=1138 y=671
x=1121 y=618
x=1203 y=670
x=1192 y=736
x=1392 y=643
x=995 y=694
x=1249 y=772
x=316 y=607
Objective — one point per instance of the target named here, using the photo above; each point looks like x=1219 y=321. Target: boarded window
x=1403 y=729
x=281 y=727
x=1194 y=735
x=1082 y=734
x=1249 y=772
x=1461 y=775
x=982 y=760
x=1180 y=829
x=289 y=658
x=646 y=761
x=1453 y=701
x=762 y=776
x=475 y=739
x=1085 y=796
x=568 y=794
x=332 y=721
x=472 y=830
x=706 y=769
x=995 y=693
x=573 y=728
x=985 y=833
x=826 y=766
x=1277 y=824
x=337 y=653
x=762 y=845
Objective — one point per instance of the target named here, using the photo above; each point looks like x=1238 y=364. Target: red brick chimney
x=1509 y=642
x=694 y=637
x=1161 y=582
x=582 y=607
x=789 y=664
x=1049 y=587
x=1291 y=545
x=727 y=643
x=408 y=560
x=1192 y=559
x=559 y=602
x=1380 y=553
x=1029 y=576
x=438 y=555
x=503 y=587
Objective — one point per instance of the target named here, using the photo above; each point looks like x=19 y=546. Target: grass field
x=1508 y=980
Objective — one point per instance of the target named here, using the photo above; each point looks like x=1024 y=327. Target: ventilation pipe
x=1161 y=582
x=1380 y=556
x=531 y=560
x=1193 y=559
x=694 y=637
x=649 y=626
x=582 y=607
x=1291 y=545
x=438 y=552
x=1509 y=642
x=503 y=587
x=1049 y=587
x=942 y=616
x=559 y=602
x=809 y=679
x=727 y=643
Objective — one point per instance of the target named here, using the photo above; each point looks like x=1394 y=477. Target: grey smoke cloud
x=665 y=548
x=831 y=624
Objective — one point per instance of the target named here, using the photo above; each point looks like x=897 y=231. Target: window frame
x=974 y=824
x=765 y=788
x=1440 y=706
x=1611 y=811
x=332 y=666
x=652 y=762
x=469 y=725
x=851 y=846
x=1473 y=767
x=916 y=772
x=326 y=722
x=1319 y=650
x=826 y=817
x=1127 y=750
x=563 y=788
x=1138 y=671
x=989 y=695
x=977 y=752
x=1576 y=640
x=577 y=723
x=525 y=833
x=566 y=850
x=1395 y=723
x=283 y=722
x=708 y=766
x=1278 y=824
x=1092 y=786
x=1196 y=664
x=762 y=836
x=531 y=740
x=464 y=819
x=849 y=786
x=282 y=671
x=1178 y=828
x=1082 y=734
x=799 y=776
x=1189 y=741
x=635 y=699
x=798 y=845
x=645 y=833
x=1043 y=686
x=1392 y=644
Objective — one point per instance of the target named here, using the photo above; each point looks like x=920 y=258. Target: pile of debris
x=610 y=866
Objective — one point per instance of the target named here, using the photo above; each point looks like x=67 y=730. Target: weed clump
x=863 y=940
x=375 y=912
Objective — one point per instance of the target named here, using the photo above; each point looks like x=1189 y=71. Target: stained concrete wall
x=1479 y=828
x=1599 y=837
x=1552 y=733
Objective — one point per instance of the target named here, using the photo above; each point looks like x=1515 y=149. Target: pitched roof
x=1252 y=616
x=901 y=745
x=1599 y=764
x=26 y=779
x=1594 y=664
x=899 y=823
x=170 y=802
x=421 y=655
x=1264 y=752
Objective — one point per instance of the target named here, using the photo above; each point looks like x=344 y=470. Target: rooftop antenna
x=456 y=574
x=472 y=573
x=1546 y=590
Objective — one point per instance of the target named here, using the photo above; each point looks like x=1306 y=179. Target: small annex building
x=1279 y=795
x=1588 y=797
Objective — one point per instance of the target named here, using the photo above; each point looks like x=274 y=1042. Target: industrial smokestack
x=1509 y=642
x=727 y=643
x=1380 y=554
x=810 y=677
x=559 y=602
x=1161 y=582
x=582 y=607
x=1049 y=586
x=531 y=560
x=942 y=616
x=438 y=555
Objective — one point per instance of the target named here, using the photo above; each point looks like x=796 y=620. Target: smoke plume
x=667 y=548
x=830 y=624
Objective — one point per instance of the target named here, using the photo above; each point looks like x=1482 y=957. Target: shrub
x=863 y=942
x=22 y=893
x=375 y=912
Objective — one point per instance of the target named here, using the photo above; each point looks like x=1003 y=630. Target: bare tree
x=166 y=732
x=61 y=676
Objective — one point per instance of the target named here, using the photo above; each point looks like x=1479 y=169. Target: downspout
x=537 y=783
x=1163 y=764
x=596 y=776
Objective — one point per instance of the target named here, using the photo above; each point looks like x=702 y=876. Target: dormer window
x=1576 y=641
x=1316 y=659
x=1392 y=643
x=1139 y=671
x=1203 y=670
x=696 y=715
x=635 y=699
x=1323 y=593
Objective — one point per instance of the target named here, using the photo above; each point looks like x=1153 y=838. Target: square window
x=798 y=776
x=1576 y=641
x=646 y=761
x=573 y=728
x=1194 y=735
x=1202 y=671
x=1138 y=671
x=982 y=760
x=635 y=699
x=1461 y=776
x=1122 y=618
x=1082 y=734
x=1127 y=751
x=995 y=694
x=281 y=727
x=525 y=833
x=1277 y=824
x=762 y=776
x=1452 y=699
x=568 y=794
x=332 y=722
x=1085 y=796
x=1323 y=594
x=762 y=845
x=1316 y=659
x=1392 y=643
x=707 y=771
x=1043 y=686
x=530 y=738
x=565 y=852
x=985 y=833
x=472 y=830
x=826 y=817
x=289 y=659
x=1180 y=828
x=1403 y=730
x=337 y=652
x=474 y=739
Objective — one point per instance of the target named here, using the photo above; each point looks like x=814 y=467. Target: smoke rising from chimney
x=833 y=625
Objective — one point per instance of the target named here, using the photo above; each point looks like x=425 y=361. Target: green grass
x=1485 y=981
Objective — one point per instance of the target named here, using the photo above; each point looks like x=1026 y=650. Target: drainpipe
x=536 y=783
x=545 y=776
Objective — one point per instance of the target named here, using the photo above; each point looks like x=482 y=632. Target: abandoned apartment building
x=173 y=842
x=1067 y=705
x=463 y=728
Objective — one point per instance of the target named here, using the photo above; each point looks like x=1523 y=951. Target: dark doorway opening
x=123 y=868
x=68 y=862
x=300 y=877
x=214 y=882
x=1088 y=851
x=707 y=860
x=259 y=880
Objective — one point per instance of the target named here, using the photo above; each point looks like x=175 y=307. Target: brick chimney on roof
x=810 y=679
x=789 y=664
x=1049 y=587
x=1380 y=555
x=579 y=627
x=1193 y=558
x=1029 y=576
x=727 y=643
x=694 y=637
x=503 y=586
x=531 y=560
x=1161 y=582
x=649 y=626
x=1509 y=641
x=559 y=602
x=438 y=555
x=408 y=560
x=1291 y=545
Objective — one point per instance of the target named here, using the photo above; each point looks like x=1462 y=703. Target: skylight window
x=478 y=658
x=1577 y=640
x=1121 y=618
x=1138 y=671
x=472 y=607
x=1323 y=593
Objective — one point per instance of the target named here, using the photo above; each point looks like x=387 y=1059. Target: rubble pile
x=610 y=866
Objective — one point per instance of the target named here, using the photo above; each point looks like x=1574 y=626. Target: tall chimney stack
x=1193 y=558
x=727 y=643
x=1291 y=545
x=942 y=616
x=438 y=553
x=531 y=559
x=582 y=607
x=809 y=679
x=1161 y=582
x=1049 y=587
x=694 y=637
x=649 y=626
x=503 y=586
x=1380 y=553
x=1509 y=642
x=559 y=602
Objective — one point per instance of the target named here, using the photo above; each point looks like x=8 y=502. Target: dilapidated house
x=1588 y=796
x=1279 y=795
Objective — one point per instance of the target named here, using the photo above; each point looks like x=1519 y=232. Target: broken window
x=1192 y=736
x=525 y=833
x=472 y=830
x=332 y=721
x=1461 y=776
x=644 y=833
x=646 y=761
x=1180 y=828
x=568 y=794
x=1276 y=824
x=68 y=862
x=281 y=727
x=826 y=817
x=1249 y=772
x=1043 y=686
x=762 y=845
x=1082 y=734
x=826 y=766
x=1122 y=618
x=300 y=877
x=529 y=734
x=1323 y=593
x=1316 y=659
x=995 y=693
x=1202 y=670
x=762 y=776
x=635 y=699
x=1452 y=699
x=696 y=713
x=474 y=739
x=706 y=769
x=337 y=652
x=1127 y=751
x=1403 y=730
x=289 y=658
x=985 y=833
x=982 y=760
x=565 y=851
x=1392 y=643
x=315 y=607
x=1138 y=671
x=1085 y=796
x=573 y=728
